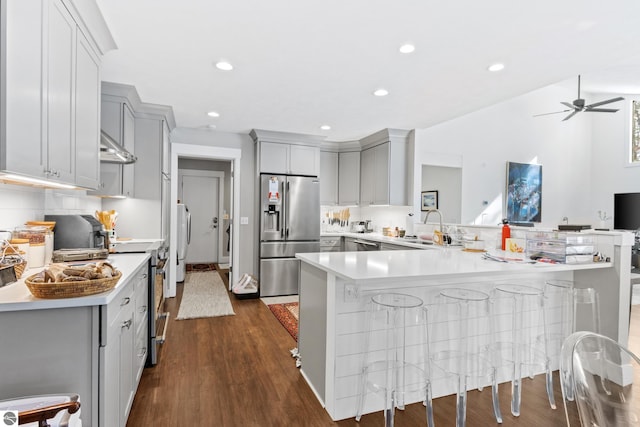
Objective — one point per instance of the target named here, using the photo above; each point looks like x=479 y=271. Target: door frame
x=208 y=153
x=210 y=174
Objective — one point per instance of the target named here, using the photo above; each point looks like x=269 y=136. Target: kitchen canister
x=37 y=236
x=22 y=246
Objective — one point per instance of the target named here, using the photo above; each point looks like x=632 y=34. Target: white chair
x=602 y=377
x=45 y=410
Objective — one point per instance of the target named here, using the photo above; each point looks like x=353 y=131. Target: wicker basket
x=53 y=290
x=19 y=265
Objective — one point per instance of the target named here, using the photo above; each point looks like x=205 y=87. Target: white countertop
x=377 y=237
x=445 y=262
x=16 y=296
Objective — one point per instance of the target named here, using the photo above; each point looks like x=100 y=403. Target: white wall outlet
x=244 y=220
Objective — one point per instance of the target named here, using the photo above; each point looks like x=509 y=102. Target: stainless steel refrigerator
x=289 y=224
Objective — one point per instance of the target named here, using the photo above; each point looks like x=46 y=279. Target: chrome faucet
x=439 y=215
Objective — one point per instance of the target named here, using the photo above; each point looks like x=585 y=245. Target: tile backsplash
x=19 y=204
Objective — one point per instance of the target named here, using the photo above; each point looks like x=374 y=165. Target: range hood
x=112 y=152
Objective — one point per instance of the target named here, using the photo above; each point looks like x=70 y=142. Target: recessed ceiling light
x=407 y=48
x=213 y=114
x=496 y=67
x=325 y=127
x=224 y=66
x=381 y=92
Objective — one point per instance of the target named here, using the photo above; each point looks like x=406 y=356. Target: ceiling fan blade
x=571 y=115
x=566 y=104
x=546 y=114
x=608 y=101
x=601 y=110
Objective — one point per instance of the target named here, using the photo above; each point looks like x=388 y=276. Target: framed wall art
x=429 y=200
x=524 y=192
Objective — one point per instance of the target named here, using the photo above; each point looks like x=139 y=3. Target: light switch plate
x=244 y=220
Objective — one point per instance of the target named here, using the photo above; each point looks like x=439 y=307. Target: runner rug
x=204 y=295
x=287 y=315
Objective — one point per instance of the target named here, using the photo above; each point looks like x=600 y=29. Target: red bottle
x=506 y=233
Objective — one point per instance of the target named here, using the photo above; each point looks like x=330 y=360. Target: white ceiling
x=302 y=64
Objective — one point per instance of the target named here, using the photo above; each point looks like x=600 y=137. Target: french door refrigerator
x=289 y=224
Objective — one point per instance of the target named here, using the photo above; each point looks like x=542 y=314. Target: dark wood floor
x=237 y=371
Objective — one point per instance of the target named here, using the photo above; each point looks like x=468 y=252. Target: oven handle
x=166 y=316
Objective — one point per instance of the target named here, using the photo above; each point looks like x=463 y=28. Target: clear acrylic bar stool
x=519 y=319
x=568 y=309
x=461 y=334
x=395 y=360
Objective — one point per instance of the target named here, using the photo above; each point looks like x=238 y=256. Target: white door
x=200 y=194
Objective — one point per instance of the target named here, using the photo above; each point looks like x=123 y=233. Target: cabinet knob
x=142 y=352
x=125 y=301
x=143 y=309
x=127 y=323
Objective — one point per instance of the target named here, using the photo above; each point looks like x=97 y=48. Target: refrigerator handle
x=188 y=227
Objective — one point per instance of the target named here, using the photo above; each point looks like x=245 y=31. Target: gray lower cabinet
x=98 y=352
x=331 y=244
x=123 y=349
x=392 y=247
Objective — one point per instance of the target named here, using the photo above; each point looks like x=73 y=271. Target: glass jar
x=40 y=241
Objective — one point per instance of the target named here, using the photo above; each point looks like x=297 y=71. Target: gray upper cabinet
x=274 y=157
x=286 y=153
x=367 y=173
x=153 y=166
x=304 y=160
x=328 y=178
x=87 y=115
x=50 y=104
x=289 y=159
x=349 y=178
x=118 y=121
x=383 y=170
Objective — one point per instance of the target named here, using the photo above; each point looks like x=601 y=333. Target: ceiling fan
x=578 y=105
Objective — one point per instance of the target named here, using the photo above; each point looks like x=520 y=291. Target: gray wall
x=246 y=181
x=218 y=166
x=448 y=182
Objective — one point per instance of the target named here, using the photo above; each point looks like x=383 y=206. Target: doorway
x=202 y=191
x=192 y=151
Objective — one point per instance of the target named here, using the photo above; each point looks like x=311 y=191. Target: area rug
x=201 y=267
x=287 y=314
x=204 y=295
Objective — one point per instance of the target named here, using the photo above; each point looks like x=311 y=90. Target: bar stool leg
x=516 y=390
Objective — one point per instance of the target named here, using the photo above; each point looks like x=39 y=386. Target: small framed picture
x=429 y=200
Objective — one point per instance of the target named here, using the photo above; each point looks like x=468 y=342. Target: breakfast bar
x=334 y=289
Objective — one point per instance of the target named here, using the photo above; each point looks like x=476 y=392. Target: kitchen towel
x=204 y=295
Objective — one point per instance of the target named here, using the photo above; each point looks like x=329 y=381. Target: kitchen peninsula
x=334 y=288
x=94 y=345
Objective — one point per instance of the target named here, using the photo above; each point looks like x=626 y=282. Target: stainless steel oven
x=158 y=317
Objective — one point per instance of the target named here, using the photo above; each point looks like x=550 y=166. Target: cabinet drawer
x=124 y=301
x=139 y=356
x=330 y=242
x=141 y=300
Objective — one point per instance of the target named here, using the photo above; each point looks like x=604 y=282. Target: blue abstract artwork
x=524 y=192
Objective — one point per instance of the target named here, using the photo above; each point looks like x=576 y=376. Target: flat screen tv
x=626 y=211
